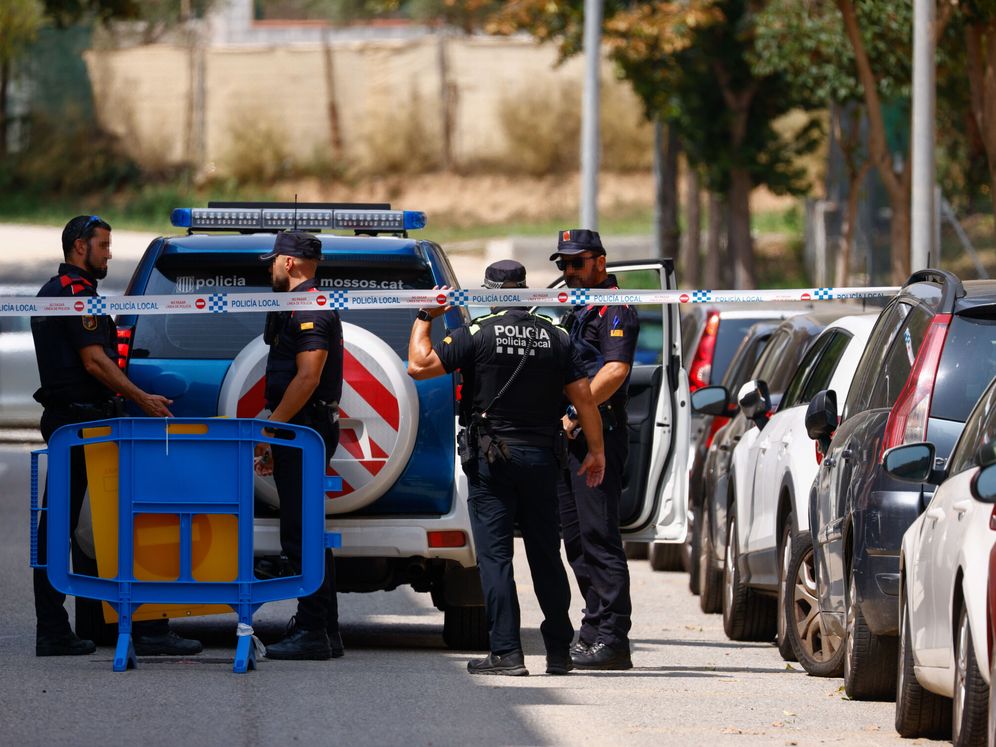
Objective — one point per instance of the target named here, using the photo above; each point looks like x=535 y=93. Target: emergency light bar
x=305 y=218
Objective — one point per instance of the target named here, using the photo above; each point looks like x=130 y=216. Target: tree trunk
x=899 y=236
x=850 y=223
x=4 y=75
x=666 y=148
x=691 y=257
x=740 y=246
x=981 y=44
x=332 y=110
x=715 y=277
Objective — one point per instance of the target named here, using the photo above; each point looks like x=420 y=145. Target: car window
x=967 y=364
x=899 y=360
x=827 y=365
x=650 y=343
x=691 y=328
x=793 y=392
x=744 y=360
x=980 y=428
x=870 y=365
x=731 y=333
x=773 y=355
x=15 y=324
x=222 y=336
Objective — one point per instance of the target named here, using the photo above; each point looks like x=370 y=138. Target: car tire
x=665 y=556
x=970 y=704
x=869 y=660
x=466 y=628
x=635 y=550
x=694 y=545
x=786 y=586
x=710 y=580
x=820 y=653
x=747 y=616
x=919 y=712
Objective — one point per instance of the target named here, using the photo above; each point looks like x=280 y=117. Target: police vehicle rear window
x=222 y=336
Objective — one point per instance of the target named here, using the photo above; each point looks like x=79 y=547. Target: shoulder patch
x=616 y=333
x=474 y=329
x=307 y=325
x=89 y=323
x=447 y=340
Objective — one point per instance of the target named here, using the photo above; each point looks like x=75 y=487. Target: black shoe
x=165 y=644
x=335 y=643
x=311 y=645
x=68 y=644
x=559 y=663
x=600 y=656
x=580 y=648
x=510 y=665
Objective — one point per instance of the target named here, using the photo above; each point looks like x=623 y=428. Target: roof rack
x=951 y=287
x=367 y=219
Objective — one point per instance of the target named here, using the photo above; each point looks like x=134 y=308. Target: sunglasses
x=92 y=221
x=575 y=263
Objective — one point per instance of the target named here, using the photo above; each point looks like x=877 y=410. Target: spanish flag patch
x=307 y=325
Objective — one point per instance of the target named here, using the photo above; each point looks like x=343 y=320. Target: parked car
x=785 y=349
x=936 y=331
x=985 y=490
x=774 y=465
x=403 y=514
x=943 y=677
x=737 y=374
x=18 y=373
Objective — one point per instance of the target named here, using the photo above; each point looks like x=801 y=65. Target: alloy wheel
x=849 y=624
x=730 y=568
x=819 y=644
x=782 y=584
x=960 y=686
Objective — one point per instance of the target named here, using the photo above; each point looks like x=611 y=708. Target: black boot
x=510 y=664
x=335 y=642
x=600 y=656
x=559 y=663
x=311 y=645
x=580 y=648
x=68 y=644
x=164 y=644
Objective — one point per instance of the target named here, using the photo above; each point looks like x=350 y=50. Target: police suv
x=403 y=511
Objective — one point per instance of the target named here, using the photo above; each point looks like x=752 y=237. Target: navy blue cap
x=294 y=244
x=505 y=273
x=576 y=241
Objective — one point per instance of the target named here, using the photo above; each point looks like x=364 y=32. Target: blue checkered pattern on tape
x=218 y=303
x=701 y=296
x=96 y=305
x=338 y=299
x=458 y=297
x=823 y=294
x=579 y=296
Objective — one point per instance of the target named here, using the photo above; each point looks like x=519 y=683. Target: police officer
x=606 y=340
x=77 y=365
x=303 y=386
x=516 y=366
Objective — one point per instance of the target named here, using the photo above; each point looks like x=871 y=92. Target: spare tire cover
x=378 y=416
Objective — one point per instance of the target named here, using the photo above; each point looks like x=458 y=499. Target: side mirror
x=821 y=417
x=910 y=462
x=755 y=400
x=983 y=484
x=711 y=400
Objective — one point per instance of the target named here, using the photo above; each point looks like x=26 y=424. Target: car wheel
x=869 y=659
x=747 y=616
x=785 y=588
x=919 y=712
x=665 y=556
x=971 y=694
x=710 y=580
x=820 y=652
x=466 y=628
x=694 y=544
x=686 y=547
x=635 y=550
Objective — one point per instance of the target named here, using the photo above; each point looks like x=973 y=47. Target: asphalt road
x=398 y=684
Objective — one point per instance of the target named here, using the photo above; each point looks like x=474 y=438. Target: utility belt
x=320 y=411
x=613 y=415
x=478 y=439
x=113 y=407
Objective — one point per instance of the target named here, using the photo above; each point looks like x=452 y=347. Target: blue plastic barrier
x=163 y=471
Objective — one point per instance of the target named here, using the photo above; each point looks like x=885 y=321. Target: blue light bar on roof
x=306 y=219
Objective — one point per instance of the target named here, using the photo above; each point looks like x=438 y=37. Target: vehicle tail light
x=452 y=538
x=717 y=422
x=992 y=519
x=124 y=346
x=908 y=419
x=701 y=369
x=819 y=454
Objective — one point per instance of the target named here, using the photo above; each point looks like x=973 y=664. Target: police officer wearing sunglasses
x=303 y=386
x=606 y=339
x=517 y=367
x=78 y=368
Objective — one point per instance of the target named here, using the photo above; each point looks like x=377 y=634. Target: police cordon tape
x=225 y=303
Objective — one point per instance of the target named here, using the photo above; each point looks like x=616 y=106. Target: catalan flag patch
x=615 y=333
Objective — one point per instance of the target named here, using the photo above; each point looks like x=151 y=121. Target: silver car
x=18 y=368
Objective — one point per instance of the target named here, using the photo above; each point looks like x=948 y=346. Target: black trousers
x=319 y=610
x=521 y=491
x=590 y=522
x=50 y=613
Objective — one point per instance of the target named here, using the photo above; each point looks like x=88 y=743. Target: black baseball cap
x=505 y=273
x=294 y=244
x=576 y=241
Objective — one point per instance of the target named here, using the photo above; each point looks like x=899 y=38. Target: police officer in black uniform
x=606 y=340
x=516 y=366
x=77 y=365
x=303 y=387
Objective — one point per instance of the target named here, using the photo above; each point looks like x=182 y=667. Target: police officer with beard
x=303 y=387
x=606 y=340
x=77 y=365
x=516 y=367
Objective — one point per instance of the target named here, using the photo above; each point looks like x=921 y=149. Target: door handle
x=962 y=506
x=846 y=454
x=936 y=514
x=828 y=462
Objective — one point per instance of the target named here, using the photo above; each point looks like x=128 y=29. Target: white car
x=944 y=564
x=774 y=466
x=18 y=368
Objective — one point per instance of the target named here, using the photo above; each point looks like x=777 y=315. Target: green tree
x=979 y=20
x=19 y=24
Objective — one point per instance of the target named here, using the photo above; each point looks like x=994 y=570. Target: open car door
x=654 y=503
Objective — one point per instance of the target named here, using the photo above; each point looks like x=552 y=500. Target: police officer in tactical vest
x=516 y=367
x=78 y=368
x=303 y=387
x=606 y=340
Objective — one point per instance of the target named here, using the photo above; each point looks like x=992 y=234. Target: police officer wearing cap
x=78 y=368
x=303 y=387
x=606 y=340
x=517 y=367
